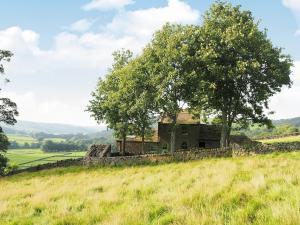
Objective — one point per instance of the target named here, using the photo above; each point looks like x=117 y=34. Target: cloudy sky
x=61 y=47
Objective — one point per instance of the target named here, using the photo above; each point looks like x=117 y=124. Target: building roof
x=184 y=117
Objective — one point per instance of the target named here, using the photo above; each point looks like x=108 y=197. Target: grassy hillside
x=283 y=139
x=31 y=157
x=52 y=128
x=254 y=190
x=21 y=139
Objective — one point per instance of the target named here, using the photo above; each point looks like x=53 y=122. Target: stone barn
x=190 y=133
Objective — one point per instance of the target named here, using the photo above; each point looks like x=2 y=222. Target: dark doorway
x=201 y=144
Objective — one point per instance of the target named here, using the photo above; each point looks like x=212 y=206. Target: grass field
x=31 y=157
x=251 y=190
x=284 y=139
x=22 y=139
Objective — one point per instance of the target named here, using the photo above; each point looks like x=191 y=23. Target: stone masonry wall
x=192 y=154
x=260 y=148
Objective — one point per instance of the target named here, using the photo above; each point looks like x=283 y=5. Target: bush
x=3 y=147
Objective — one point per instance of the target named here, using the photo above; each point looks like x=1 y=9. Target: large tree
x=109 y=102
x=8 y=111
x=238 y=68
x=168 y=63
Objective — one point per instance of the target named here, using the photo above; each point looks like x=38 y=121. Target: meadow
x=24 y=158
x=21 y=139
x=261 y=189
x=283 y=139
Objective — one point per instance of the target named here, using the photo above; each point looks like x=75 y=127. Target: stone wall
x=181 y=155
x=192 y=154
x=61 y=163
x=259 y=148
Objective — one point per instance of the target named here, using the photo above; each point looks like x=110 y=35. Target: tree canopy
x=239 y=68
x=225 y=68
x=8 y=112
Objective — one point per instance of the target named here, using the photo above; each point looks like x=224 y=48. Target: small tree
x=238 y=68
x=8 y=111
x=138 y=85
x=168 y=62
x=110 y=103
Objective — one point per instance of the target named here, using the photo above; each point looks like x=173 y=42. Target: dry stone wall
x=193 y=154
x=181 y=155
x=259 y=148
x=61 y=163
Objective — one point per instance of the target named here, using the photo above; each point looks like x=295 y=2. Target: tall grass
x=283 y=139
x=254 y=190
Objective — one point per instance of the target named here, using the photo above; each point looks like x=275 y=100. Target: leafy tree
x=238 y=68
x=138 y=85
x=168 y=63
x=110 y=103
x=8 y=111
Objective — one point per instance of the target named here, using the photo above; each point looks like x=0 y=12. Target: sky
x=62 y=47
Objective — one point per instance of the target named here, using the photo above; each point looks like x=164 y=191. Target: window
x=184 y=145
x=201 y=144
x=184 y=130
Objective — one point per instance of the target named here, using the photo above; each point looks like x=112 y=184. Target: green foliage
x=51 y=146
x=3 y=147
x=8 y=111
x=227 y=68
x=168 y=63
x=238 y=67
x=140 y=90
x=110 y=101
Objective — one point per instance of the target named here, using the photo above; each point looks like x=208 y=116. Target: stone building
x=190 y=133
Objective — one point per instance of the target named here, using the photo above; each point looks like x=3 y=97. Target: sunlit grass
x=283 y=139
x=21 y=139
x=21 y=156
x=254 y=190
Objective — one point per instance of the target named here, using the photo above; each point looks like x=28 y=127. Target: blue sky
x=61 y=47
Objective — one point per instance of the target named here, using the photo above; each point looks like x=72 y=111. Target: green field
x=21 y=139
x=251 y=190
x=31 y=157
x=284 y=139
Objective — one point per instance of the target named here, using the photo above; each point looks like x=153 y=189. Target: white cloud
x=297 y=33
x=292 y=4
x=81 y=25
x=107 y=4
x=287 y=103
x=143 y=23
x=54 y=85
x=30 y=108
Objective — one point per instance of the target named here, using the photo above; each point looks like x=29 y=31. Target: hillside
x=250 y=190
x=293 y=121
x=50 y=128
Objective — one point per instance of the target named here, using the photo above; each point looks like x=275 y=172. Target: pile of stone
x=99 y=151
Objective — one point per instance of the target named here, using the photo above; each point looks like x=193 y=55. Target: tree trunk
x=225 y=132
x=173 y=140
x=123 y=145
x=173 y=134
x=143 y=141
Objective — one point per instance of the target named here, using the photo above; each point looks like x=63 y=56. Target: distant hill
x=50 y=128
x=293 y=121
